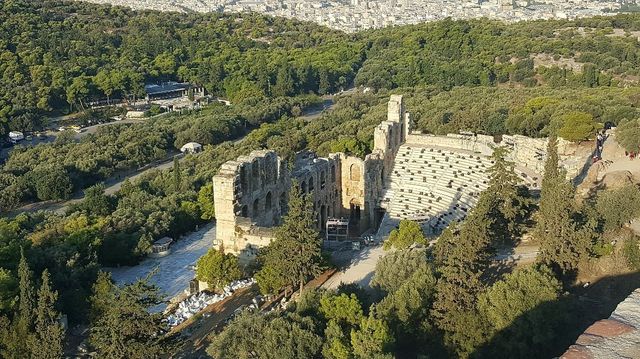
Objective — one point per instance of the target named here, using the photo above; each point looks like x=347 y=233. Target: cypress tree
x=508 y=204
x=177 y=179
x=284 y=85
x=16 y=345
x=295 y=254
x=47 y=341
x=562 y=242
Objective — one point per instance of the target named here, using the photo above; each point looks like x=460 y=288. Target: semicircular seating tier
x=437 y=185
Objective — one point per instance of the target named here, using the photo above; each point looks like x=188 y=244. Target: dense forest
x=478 y=75
x=60 y=56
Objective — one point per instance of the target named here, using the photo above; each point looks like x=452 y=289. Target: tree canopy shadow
x=549 y=329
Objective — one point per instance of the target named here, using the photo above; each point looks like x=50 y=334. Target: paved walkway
x=361 y=269
x=175 y=270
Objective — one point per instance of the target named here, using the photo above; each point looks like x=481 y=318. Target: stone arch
x=255 y=174
x=311 y=185
x=354 y=172
x=244 y=212
x=256 y=207
x=244 y=183
x=283 y=202
x=267 y=202
x=355 y=210
x=323 y=216
x=303 y=187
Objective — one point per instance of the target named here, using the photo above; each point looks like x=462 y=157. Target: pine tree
x=465 y=260
x=123 y=328
x=47 y=341
x=295 y=254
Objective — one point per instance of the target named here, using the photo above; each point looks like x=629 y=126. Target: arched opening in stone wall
x=283 y=203
x=244 y=212
x=267 y=202
x=354 y=217
x=311 y=186
x=323 y=216
x=323 y=179
x=303 y=187
x=255 y=174
x=354 y=172
x=244 y=183
x=256 y=207
x=354 y=211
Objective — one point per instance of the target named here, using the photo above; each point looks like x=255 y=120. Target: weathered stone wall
x=253 y=189
x=389 y=135
x=251 y=192
x=321 y=179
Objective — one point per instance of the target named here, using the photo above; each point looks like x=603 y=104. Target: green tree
x=205 y=202
x=47 y=341
x=16 y=341
x=524 y=314
x=511 y=206
x=372 y=339
x=578 y=126
x=78 y=91
x=8 y=288
x=177 y=175
x=618 y=206
x=105 y=83
x=466 y=258
x=295 y=254
x=406 y=310
x=628 y=135
x=631 y=252
x=395 y=268
x=562 y=242
x=218 y=269
x=123 y=327
x=408 y=234
x=95 y=200
x=284 y=85
x=253 y=335
x=52 y=183
x=343 y=314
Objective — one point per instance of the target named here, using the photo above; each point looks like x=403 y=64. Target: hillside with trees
x=483 y=76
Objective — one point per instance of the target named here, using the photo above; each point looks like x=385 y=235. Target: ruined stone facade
x=251 y=193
